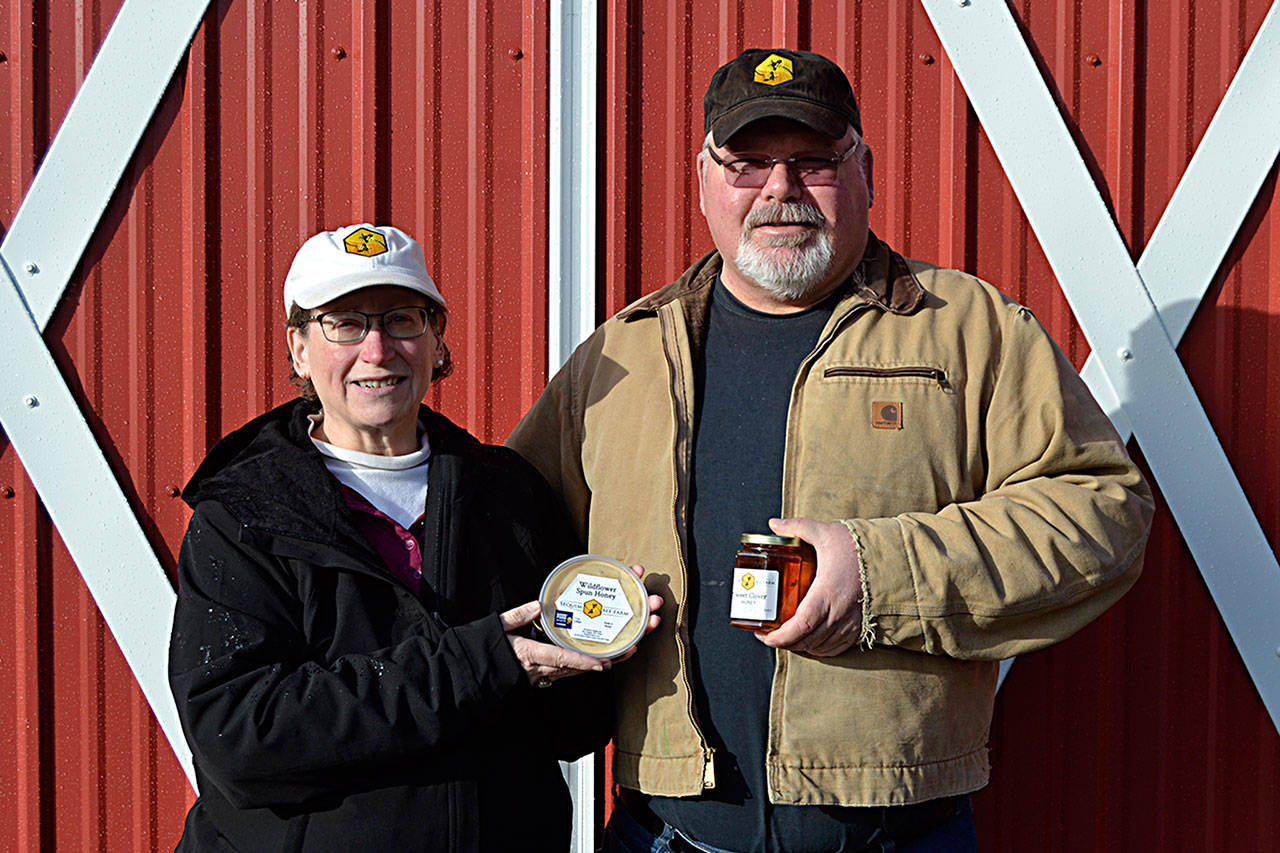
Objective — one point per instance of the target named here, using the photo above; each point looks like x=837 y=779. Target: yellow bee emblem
x=592 y=609
x=364 y=241
x=748 y=581
x=774 y=70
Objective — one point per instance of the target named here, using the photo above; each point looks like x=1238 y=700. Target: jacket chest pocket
x=878 y=439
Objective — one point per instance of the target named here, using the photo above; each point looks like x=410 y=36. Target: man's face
x=786 y=245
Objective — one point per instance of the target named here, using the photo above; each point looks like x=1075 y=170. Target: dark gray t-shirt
x=742 y=396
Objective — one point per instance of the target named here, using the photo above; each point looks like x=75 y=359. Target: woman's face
x=369 y=390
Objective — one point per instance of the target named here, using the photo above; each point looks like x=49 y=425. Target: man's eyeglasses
x=755 y=171
x=350 y=327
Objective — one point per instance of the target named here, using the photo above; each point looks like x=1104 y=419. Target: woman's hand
x=544 y=662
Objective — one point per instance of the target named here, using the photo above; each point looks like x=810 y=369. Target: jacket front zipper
x=708 y=752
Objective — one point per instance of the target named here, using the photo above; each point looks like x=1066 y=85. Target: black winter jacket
x=327 y=706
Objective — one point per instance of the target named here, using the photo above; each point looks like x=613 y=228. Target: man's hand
x=829 y=618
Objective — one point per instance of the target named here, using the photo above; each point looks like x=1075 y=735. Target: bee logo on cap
x=774 y=70
x=364 y=241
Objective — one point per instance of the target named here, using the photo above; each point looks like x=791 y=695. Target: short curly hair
x=298 y=318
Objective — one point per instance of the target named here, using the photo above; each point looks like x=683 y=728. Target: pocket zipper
x=934 y=373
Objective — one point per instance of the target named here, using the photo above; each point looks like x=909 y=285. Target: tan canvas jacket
x=994 y=507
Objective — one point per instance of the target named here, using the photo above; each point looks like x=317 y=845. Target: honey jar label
x=593 y=608
x=755 y=595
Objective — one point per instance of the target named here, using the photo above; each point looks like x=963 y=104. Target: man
x=966 y=498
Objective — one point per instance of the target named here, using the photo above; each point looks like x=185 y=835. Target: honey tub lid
x=595 y=605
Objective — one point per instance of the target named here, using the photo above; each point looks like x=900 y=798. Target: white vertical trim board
x=70 y=191
x=1112 y=299
x=571 y=254
x=571 y=197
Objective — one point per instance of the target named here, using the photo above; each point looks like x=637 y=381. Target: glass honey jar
x=770 y=576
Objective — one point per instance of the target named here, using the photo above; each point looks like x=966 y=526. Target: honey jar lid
x=766 y=539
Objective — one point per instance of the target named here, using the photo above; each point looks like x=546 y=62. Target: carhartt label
x=593 y=608
x=886 y=414
x=755 y=595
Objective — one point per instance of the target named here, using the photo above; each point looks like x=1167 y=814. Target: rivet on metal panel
x=7 y=492
x=1125 y=355
x=31 y=401
x=172 y=491
x=339 y=53
x=1093 y=59
x=926 y=59
x=31 y=268
x=516 y=54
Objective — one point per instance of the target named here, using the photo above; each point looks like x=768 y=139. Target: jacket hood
x=270 y=476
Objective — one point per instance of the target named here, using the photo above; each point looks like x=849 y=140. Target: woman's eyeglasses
x=350 y=327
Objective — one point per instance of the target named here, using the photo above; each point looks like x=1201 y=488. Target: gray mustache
x=789 y=213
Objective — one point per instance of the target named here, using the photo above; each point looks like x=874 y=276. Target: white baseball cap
x=333 y=263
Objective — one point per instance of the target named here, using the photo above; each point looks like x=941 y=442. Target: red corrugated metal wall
x=1143 y=732
x=287 y=118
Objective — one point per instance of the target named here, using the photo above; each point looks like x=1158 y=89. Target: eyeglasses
x=755 y=171
x=350 y=327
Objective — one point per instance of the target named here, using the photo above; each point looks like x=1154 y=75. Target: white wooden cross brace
x=1132 y=316
x=38 y=413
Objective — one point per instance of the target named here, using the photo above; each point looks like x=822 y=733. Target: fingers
x=794 y=527
x=545 y=662
x=518 y=617
x=798 y=632
x=655 y=604
x=802 y=634
x=820 y=534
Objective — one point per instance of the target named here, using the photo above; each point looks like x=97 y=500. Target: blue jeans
x=955 y=835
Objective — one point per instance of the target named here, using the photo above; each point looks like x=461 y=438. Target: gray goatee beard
x=789 y=275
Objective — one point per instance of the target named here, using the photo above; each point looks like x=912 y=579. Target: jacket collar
x=882 y=278
x=271 y=478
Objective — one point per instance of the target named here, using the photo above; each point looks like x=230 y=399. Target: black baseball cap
x=795 y=84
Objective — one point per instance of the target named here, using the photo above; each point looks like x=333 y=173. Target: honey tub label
x=593 y=608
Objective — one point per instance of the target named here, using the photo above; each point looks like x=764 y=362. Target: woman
x=344 y=655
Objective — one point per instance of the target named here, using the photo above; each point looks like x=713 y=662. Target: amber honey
x=771 y=574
